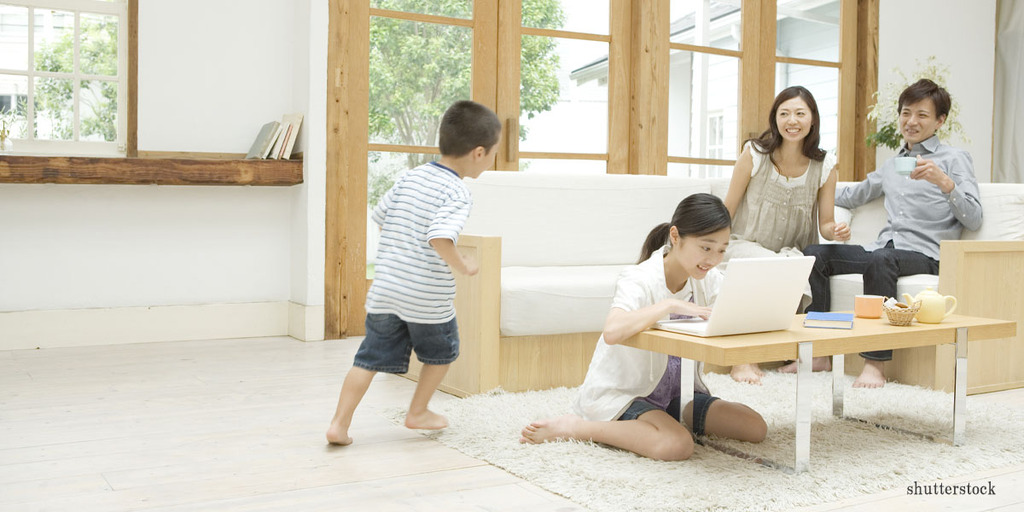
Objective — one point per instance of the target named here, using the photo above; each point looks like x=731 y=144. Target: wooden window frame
x=637 y=113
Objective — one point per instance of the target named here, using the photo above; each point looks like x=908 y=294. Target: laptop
x=758 y=295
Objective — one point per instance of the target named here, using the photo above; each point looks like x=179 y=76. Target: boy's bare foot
x=818 y=364
x=337 y=435
x=425 y=420
x=552 y=429
x=871 y=376
x=750 y=373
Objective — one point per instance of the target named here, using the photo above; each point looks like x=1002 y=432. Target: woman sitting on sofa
x=622 y=402
x=782 y=193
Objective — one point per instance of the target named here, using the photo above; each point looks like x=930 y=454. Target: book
x=264 y=139
x=823 y=320
x=275 y=152
x=294 y=121
x=273 y=141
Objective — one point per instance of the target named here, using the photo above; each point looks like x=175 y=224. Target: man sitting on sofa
x=935 y=202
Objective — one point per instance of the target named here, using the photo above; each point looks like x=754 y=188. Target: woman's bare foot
x=338 y=435
x=552 y=429
x=871 y=376
x=818 y=364
x=425 y=420
x=750 y=373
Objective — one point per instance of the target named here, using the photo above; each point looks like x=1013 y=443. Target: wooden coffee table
x=801 y=344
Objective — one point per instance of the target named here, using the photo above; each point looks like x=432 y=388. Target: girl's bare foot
x=818 y=364
x=425 y=420
x=871 y=376
x=750 y=373
x=552 y=429
x=338 y=435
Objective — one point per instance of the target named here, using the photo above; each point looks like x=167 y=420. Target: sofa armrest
x=477 y=309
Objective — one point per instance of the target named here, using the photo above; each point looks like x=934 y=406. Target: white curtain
x=1008 y=143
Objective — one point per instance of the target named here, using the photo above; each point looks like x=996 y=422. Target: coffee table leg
x=838 y=384
x=803 y=406
x=960 y=388
x=685 y=384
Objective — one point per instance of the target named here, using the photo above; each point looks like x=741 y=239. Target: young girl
x=630 y=397
x=782 y=193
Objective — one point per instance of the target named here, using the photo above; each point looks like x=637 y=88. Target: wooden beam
x=867 y=85
x=148 y=171
x=131 y=146
x=848 y=120
x=507 y=86
x=618 y=86
x=649 y=62
x=348 y=68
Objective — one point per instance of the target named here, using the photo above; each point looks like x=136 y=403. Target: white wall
x=210 y=74
x=961 y=35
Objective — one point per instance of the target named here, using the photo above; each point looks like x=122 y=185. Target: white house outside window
x=63 y=76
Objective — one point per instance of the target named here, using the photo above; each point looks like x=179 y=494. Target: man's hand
x=927 y=170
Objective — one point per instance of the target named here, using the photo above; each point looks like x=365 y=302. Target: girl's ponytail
x=655 y=240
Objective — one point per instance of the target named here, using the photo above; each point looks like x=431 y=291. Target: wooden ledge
x=148 y=171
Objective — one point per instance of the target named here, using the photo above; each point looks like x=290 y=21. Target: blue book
x=823 y=320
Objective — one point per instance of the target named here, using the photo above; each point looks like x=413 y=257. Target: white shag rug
x=848 y=458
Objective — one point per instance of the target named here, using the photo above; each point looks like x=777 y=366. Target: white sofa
x=1003 y=219
x=552 y=246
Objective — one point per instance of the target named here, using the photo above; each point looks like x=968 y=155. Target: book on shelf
x=275 y=152
x=261 y=146
x=822 y=320
x=294 y=122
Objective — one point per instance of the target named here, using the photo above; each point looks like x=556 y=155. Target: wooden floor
x=238 y=425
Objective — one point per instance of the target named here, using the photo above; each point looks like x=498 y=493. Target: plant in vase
x=884 y=113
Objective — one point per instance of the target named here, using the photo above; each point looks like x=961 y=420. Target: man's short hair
x=925 y=88
x=467 y=125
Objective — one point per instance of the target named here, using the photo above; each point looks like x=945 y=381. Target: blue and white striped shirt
x=411 y=280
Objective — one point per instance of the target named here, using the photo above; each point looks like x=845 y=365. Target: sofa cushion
x=572 y=219
x=1002 y=206
x=845 y=286
x=556 y=300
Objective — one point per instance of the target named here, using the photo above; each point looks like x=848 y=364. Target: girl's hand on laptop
x=680 y=307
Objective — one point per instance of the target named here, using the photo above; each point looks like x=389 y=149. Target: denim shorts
x=389 y=341
x=701 y=403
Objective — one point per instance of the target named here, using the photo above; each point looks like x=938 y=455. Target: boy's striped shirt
x=411 y=280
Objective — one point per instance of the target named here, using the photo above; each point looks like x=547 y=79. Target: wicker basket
x=901 y=316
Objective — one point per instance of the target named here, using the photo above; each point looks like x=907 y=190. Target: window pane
x=706 y=23
x=563 y=95
x=699 y=171
x=14 y=37
x=808 y=32
x=99 y=45
x=54 y=104
x=14 y=98
x=98 y=100
x=382 y=170
x=824 y=86
x=590 y=16
x=563 y=166
x=702 y=105
x=54 y=41
x=450 y=8
x=416 y=71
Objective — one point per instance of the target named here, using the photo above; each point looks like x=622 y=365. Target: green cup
x=905 y=164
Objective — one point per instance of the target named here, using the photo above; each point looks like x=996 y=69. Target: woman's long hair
x=771 y=139
x=697 y=215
